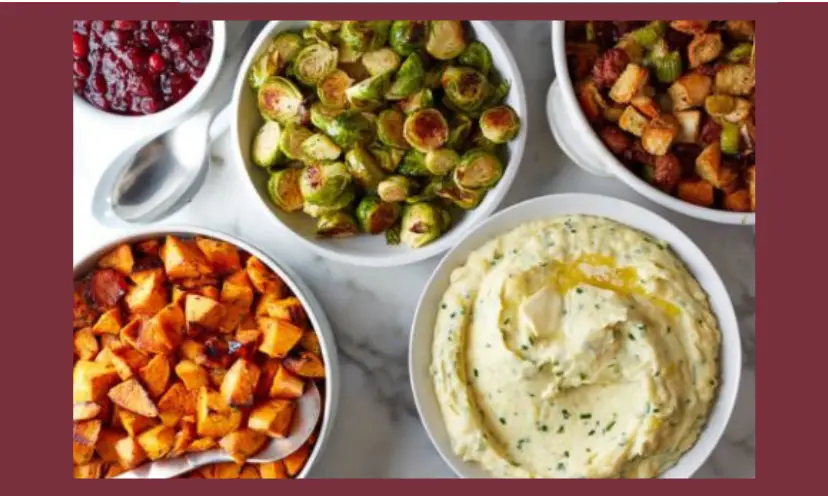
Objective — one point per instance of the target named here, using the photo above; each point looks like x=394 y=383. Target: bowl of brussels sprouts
x=379 y=143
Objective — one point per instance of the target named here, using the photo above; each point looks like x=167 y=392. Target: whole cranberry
x=161 y=28
x=180 y=62
x=178 y=44
x=134 y=59
x=196 y=73
x=81 y=68
x=98 y=83
x=78 y=85
x=148 y=38
x=140 y=85
x=80 y=45
x=125 y=25
x=115 y=39
x=156 y=63
x=197 y=58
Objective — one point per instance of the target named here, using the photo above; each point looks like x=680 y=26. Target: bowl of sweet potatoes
x=186 y=340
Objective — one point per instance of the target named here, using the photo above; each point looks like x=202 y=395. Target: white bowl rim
x=610 y=162
x=622 y=211
x=180 y=108
x=412 y=255
x=313 y=309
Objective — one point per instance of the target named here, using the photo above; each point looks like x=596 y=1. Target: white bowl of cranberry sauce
x=144 y=70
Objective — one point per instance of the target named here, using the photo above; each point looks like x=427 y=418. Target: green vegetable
x=375 y=216
x=729 y=139
x=465 y=88
x=441 y=161
x=739 y=53
x=419 y=100
x=368 y=94
x=320 y=148
x=314 y=62
x=291 y=141
x=364 y=168
x=408 y=80
x=392 y=235
x=426 y=130
x=446 y=39
x=648 y=35
x=476 y=56
x=499 y=124
x=396 y=188
x=387 y=158
x=407 y=37
x=390 y=128
x=364 y=36
x=266 y=66
x=326 y=26
x=460 y=127
x=332 y=89
x=413 y=165
x=323 y=183
x=266 y=151
x=466 y=199
x=283 y=188
x=336 y=225
x=668 y=68
x=341 y=202
x=421 y=224
x=286 y=45
x=478 y=169
x=381 y=61
x=350 y=129
x=280 y=100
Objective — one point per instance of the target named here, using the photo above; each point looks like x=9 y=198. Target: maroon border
x=36 y=106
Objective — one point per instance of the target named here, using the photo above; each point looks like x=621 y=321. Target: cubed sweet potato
x=249 y=472
x=83 y=314
x=178 y=399
x=240 y=382
x=139 y=276
x=127 y=361
x=269 y=369
x=201 y=444
x=183 y=439
x=86 y=344
x=130 y=453
x=112 y=342
x=629 y=83
x=710 y=168
x=193 y=376
x=214 y=417
x=84 y=436
x=91 y=470
x=202 y=311
x=224 y=257
x=92 y=380
x=263 y=279
x=737 y=201
x=156 y=375
x=689 y=91
x=310 y=342
x=183 y=260
x=289 y=309
x=119 y=259
x=105 y=447
x=148 y=296
x=296 y=460
x=205 y=472
x=217 y=376
x=278 y=336
x=273 y=470
x=163 y=333
x=249 y=337
x=109 y=322
x=696 y=191
x=193 y=350
x=272 y=418
x=659 y=135
x=286 y=385
x=85 y=410
x=132 y=396
x=157 y=442
x=242 y=444
x=133 y=423
x=237 y=290
x=129 y=333
x=114 y=470
x=228 y=470
x=233 y=317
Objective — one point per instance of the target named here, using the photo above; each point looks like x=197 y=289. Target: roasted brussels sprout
x=419 y=100
x=499 y=124
x=478 y=141
x=465 y=88
x=355 y=69
x=408 y=80
x=314 y=62
x=441 y=161
x=446 y=39
x=320 y=148
x=291 y=141
x=350 y=129
x=364 y=36
x=332 y=90
x=313 y=35
x=498 y=90
x=396 y=188
x=323 y=183
x=429 y=192
x=265 y=67
x=392 y=235
x=421 y=224
x=341 y=202
x=407 y=37
x=368 y=93
x=322 y=117
x=336 y=225
x=460 y=128
x=286 y=45
x=426 y=130
x=281 y=101
x=413 y=165
x=375 y=216
x=476 y=56
x=387 y=158
x=283 y=187
x=364 y=168
x=266 y=150
x=434 y=76
x=326 y=26
x=390 y=128
x=478 y=169
x=466 y=199
x=381 y=61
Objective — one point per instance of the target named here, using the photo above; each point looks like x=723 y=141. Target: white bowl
x=578 y=140
x=172 y=114
x=422 y=329
x=313 y=309
x=365 y=250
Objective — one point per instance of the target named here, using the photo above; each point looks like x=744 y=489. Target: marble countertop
x=378 y=433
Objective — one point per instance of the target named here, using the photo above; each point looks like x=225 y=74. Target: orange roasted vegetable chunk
x=84 y=436
x=92 y=380
x=131 y=396
x=119 y=259
x=183 y=260
x=224 y=257
x=240 y=382
x=278 y=336
x=263 y=279
x=242 y=444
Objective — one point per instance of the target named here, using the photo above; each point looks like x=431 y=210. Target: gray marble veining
x=378 y=433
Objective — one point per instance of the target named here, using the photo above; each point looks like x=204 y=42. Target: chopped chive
x=586 y=416
x=476 y=374
x=502 y=420
x=560 y=429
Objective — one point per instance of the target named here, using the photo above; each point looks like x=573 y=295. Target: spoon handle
x=167 y=469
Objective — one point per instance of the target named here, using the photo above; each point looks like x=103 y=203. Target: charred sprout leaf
x=291 y=141
x=478 y=140
x=465 y=88
x=364 y=168
x=408 y=80
x=445 y=216
x=367 y=94
x=320 y=148
x=419 y=100
x=390 y=128
x=265 y=67
x=322 y=117
x=283 y=187
x=476 y=56
x=421 y=224
x=460 y=127
x=323 y=183
x=392 y=235
x=381 y=61
x=446 y=39
x=336 y=225
x=341 y=202
x=375 y=216
x=396 y=188
x=314 y=62
x=286 y=45
x=467 y=199
x=326 y=26
x=498 y=90
x=266 y=151
x=429 y=192
x=350 y=129
x=332 y=89
x=426 y=130
x=478 y=169
x=499 y=124
x=407 y=37
x=441 y=161
x=434 y=76
x=413 y=165
x=281 y=101
x=364 y=36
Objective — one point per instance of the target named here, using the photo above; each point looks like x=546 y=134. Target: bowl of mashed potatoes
x=575 y=336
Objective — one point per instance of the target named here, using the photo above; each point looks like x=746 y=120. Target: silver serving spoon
x=308 y=410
